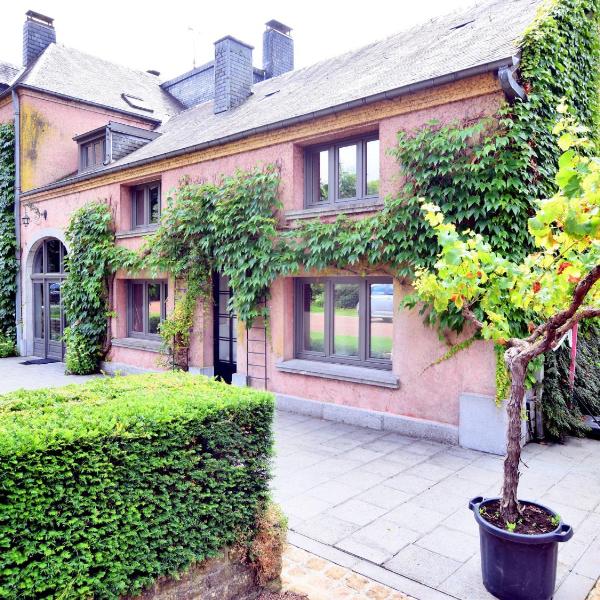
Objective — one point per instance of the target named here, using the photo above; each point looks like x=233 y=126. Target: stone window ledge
x=351 y=373
x=137 y=344
x=137 y=232
x=347 y=208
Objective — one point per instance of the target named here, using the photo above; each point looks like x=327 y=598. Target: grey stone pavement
x=394 y=508
x=14 y=375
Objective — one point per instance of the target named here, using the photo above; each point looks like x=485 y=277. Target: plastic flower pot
x=518 y=566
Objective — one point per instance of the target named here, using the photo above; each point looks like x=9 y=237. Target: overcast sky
x=156 y=34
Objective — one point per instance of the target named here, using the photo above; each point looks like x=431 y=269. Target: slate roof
x=7 y=73
x=482 y=36
x=79 y=75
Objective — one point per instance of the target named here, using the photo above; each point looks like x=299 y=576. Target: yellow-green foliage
x=109 y=485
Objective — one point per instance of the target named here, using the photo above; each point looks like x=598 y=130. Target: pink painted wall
x=48 y=125
x=432 y=395
x=6 y=113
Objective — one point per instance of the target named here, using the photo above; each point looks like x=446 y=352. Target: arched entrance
x=47 y=276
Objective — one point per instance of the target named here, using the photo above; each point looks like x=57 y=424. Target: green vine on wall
x=91 y=263
x=484 y=174
x=8 y=243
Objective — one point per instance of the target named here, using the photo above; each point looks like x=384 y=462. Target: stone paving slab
x=15 y=376
x=394 y=508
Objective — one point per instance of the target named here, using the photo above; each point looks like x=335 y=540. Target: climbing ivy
x=563 y=412
x=92 y=260
x=484 y=174
x=8 y=244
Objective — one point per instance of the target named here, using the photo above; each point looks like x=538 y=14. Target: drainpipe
x=18 y=295
x=510 y=86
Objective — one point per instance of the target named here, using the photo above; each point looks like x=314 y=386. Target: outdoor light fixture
x=38 y=214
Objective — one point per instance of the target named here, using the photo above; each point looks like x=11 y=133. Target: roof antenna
x=195 y=33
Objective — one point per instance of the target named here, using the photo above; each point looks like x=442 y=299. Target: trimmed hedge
x=106 y=486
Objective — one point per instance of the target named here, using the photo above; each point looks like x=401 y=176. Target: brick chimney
x=38 y=34
x=278 y=49
x=234 y=74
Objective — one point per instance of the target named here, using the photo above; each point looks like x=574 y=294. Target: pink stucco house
x=339 y=345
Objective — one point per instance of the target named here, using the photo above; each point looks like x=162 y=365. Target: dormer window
x=93 y=154
x=109 y=143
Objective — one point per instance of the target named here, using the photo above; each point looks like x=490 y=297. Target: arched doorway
x=47 y=276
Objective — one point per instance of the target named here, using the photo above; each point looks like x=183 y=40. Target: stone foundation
x=224 y=577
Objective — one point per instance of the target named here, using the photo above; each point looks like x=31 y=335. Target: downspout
x=17 y=210
x=510 y=86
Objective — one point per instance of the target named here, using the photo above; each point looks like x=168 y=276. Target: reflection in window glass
x=53 y=256
x=139 y=208
x=154 y=205
x=372 y=168
x=313 y=314
x=154 y=312
x=38 y=261
x=224 y=350
x=323 y=175
x=38 y=302
x=346 y=319
x=347 y=172
x=137 y=307
x=380 y=320
x=54 y=308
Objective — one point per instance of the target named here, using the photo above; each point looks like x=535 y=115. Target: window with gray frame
x=145 y=204
x=345 y=320
x=342 y=171
x=147 y=307
x=92 y=153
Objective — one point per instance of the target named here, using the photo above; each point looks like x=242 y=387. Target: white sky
x=154 y=34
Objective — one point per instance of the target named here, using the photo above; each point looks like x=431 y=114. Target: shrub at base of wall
x=108 y=486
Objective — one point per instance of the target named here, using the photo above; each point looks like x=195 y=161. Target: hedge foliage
x=106 y=486
x=8 y=243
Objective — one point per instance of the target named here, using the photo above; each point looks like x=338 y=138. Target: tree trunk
x=509 y=507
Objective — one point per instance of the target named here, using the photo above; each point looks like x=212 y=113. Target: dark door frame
x=224 y=330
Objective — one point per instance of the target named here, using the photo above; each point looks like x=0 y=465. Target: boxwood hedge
x=106 y=486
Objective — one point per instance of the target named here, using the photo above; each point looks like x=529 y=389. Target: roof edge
x=388 y=95
x=128 y=113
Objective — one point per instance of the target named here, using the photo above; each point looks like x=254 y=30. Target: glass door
x=225 y=330
x=55 y=321
x=48 y=313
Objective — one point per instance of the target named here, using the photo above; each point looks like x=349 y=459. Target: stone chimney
x=234 y=74
x=278 y=49
x=38 y=34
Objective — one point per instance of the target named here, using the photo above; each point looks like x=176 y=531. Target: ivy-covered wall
x=484 y=174
x=8 y=260
x=562 y=410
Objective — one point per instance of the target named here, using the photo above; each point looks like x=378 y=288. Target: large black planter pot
x=516 y=566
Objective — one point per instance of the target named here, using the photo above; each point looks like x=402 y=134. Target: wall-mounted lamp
x=37 y=214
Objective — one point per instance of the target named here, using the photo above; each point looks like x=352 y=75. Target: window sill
x=364 y=375
x=137 y=232
x=138 y=344
x=347 y=208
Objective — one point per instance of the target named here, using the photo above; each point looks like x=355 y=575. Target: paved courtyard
x=15 y=375
x=394 y=509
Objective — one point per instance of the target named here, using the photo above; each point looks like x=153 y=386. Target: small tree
x=557 y=284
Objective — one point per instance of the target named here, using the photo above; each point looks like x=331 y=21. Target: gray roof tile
x=483 y=34
x=73 y=73
x=7 y=73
